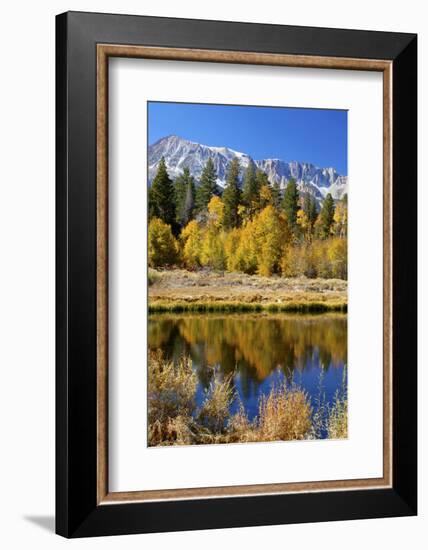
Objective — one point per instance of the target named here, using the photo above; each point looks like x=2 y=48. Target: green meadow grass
x=160 y=306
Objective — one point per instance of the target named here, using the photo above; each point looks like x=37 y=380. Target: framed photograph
x=236 y=274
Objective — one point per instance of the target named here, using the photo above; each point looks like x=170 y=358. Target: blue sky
x=318 y=136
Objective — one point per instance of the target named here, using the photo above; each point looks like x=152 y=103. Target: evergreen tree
x=261 y=179
x=327 y=216
x=162 y=196
x=276 y=194
x=207 y=186
x=232 y=196
x=189 y=203
x=184 y=197
x=262 y=182
x=250 y=188
x=311 y=211
x=290 y=203
x=180 y=189
x=306 y=204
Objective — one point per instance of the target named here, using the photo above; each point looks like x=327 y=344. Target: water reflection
x=259 y=349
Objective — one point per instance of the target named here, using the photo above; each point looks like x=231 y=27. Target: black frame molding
x=77 y=512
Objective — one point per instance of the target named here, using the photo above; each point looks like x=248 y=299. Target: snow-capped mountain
x=180 y=153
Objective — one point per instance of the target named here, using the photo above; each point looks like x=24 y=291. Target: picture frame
x=84 y=44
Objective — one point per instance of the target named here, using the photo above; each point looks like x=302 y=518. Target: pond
x=259 y=350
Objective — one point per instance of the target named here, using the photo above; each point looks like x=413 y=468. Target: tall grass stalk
x=337 y=422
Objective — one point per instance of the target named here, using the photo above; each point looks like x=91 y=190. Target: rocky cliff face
x=180 y=153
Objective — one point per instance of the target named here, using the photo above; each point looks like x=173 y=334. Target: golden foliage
x=268 y=234
x=245 y=257
x=162 y=246
x=265 y=195
x=263 y=245
x=338 y=255
x=340 y=219
x=216 y=212
x=212 y=250
x=191 y=239
x=302 y=219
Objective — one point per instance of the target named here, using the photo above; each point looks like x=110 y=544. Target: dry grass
x=179 y=290
x=215 y=409
x=171 y=398
x=181 y=278
x=337 y=423
x=337 y=420
x=285 y=414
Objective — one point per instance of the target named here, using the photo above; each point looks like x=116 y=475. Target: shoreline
x=178 y=291
x=159 y=306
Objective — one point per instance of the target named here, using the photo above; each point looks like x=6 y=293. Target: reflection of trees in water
x=252 y=345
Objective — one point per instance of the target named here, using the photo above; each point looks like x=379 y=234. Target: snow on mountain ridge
x=180 y=153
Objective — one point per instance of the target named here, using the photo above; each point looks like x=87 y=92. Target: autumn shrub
x=152 y=277
x=337 y=251
x=308 y=261
x=162 y=246
x=323 y=258
x=293 y=261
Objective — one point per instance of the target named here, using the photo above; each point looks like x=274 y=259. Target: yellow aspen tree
x=265 y=196
x=231 y=244
x=246 y=253
x=216 y=212
x=341 y=218
x=304 y=224
x=269 y=238
x=162 y=246
x=191 y=239
x=338 y=257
